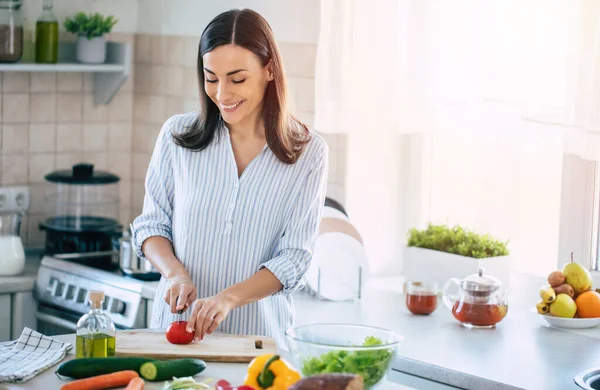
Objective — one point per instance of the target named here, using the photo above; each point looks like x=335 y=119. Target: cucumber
x=161 y=370
x=88 y=367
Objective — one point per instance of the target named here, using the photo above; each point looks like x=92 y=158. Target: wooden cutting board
x=216 y=347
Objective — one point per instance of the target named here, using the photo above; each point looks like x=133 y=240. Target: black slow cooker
x=83 y=206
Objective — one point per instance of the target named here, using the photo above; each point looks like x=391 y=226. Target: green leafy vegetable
x=371 y=365
x=185 y=383
x=457 y=240
x=93 y=25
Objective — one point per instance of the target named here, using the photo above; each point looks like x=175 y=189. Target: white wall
x=291 y=21
x=126 y=11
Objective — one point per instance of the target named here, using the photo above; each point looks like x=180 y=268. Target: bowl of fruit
x=569 y=300
x=344 y=349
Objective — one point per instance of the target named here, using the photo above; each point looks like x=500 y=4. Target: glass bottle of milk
x=12 y=253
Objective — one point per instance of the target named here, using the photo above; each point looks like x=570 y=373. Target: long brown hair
x=286 y=136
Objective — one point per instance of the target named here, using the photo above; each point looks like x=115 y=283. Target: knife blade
x=179 y=315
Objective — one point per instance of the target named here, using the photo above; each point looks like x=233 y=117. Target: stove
x=62 y=288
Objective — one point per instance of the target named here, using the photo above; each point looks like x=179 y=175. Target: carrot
x=135 y=384
x=106 y=381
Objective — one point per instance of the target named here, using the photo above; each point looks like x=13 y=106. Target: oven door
x=52 y=321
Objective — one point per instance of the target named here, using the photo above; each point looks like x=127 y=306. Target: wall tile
x=119 y=137
x=66 y=160
x=157 y=105
x=15 y=168
x=88 y=82
x=125 y=193
x=69 y=82
x=175 y=105
x=158 y=79
x=98 y=159
x=43 y=81
x=119 y=163
x=95 y=137
x=175 y=81
x=140 y=166
x=159 y=49
x=93 y=113
x=175 y=50
x=15 y=138
x=190 y=83
x=69 y=137
x=42 y=137
x=137 y=200
x=40 y=165
x=15 y=107
x=121 y=108
x=36 y=237
x=190 y=55
x=37 y=193
x=141 y=112
x=143 y=48
x=142 y=81
x=15 y=82
x=69 y=107
x=43 y=107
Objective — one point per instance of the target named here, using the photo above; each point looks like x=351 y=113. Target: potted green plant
x=439 y=253
x=90 y=30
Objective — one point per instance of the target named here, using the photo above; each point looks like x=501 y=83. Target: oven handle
x=55 y=321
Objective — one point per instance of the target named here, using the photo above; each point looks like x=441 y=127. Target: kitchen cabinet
x=5 y=315
x=17 y=310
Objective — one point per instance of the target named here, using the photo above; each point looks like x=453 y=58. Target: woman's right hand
x=181 y=293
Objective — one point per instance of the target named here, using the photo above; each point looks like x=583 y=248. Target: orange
x=588 y=304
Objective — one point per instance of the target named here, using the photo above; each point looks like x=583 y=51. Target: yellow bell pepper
x=270 y=372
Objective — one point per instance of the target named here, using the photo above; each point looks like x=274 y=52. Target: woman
x=234 y=193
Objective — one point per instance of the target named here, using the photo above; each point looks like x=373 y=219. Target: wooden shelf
x=108 y=77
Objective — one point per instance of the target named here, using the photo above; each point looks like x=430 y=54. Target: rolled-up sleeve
x=157 y=212
x=294 y=249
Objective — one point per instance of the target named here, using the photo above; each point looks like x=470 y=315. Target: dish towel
x=32 y=353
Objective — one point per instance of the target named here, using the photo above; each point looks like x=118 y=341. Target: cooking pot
x=130 y=263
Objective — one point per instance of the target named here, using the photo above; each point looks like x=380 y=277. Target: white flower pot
x=426 y=265
x=91 y=51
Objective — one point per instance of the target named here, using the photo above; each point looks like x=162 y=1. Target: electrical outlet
x=14 y=199
x=18 y=198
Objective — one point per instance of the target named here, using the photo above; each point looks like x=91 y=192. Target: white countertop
x=232 y=372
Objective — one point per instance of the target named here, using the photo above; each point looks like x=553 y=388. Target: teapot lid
x=480 y=282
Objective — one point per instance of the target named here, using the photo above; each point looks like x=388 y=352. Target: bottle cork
x=96 y=296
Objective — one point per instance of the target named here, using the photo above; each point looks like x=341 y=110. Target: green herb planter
x=439 y=253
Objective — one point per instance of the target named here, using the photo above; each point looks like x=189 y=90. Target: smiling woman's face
x=236 y=81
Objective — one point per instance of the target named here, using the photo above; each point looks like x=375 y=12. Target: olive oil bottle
x=46 y=36
x=96 y=335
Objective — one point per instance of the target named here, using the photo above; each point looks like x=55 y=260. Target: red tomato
x=176 y=333
x=223 y=385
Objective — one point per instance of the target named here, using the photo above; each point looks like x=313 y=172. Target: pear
x=563 y=306
x=577 y=276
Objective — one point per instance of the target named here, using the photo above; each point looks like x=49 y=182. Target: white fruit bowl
x=570 y=323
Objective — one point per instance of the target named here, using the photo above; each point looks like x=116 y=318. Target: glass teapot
x=481 y=301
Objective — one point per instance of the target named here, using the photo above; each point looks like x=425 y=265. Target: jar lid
x=480 y=282
x=82 y=174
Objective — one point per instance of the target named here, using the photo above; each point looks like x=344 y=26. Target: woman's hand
x=181 y=293
x=207 y=314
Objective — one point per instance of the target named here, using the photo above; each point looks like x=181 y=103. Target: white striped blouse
x=224 y=228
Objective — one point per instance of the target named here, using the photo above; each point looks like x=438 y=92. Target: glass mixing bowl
x=344 y=348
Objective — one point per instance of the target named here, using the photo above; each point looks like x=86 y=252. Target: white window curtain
x=459 y=112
